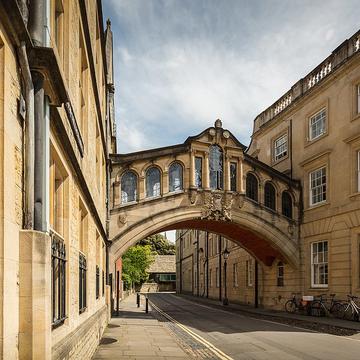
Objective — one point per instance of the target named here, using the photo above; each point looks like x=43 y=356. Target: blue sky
x=181 y=64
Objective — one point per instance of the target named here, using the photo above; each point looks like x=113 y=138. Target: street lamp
x=225 y=255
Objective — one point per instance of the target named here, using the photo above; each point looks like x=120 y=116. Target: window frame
x=233 y=176
x=247 y=189
x=280 y=274
x=146 y=183
x=267 y=195
x=198 y=172
x=82 y=282
x=357 y=99
x=249 y=273
x=176 y=163
x=283 y=208
x=282 y=155
x=310 y=124
x=235 y=275
x=313 y=264
x=126 y=172
x=358 y=170
x=323 y=184
x=217 y=182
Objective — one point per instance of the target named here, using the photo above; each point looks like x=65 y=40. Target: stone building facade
x=57 y=129
x=311 y=134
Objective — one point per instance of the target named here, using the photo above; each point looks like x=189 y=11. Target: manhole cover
x=113 y=326
x=106 y=341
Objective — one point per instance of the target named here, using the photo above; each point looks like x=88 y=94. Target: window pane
x=280 y=147
x=318 y=186
x=216 y=167
x=198 y=172
x=175 y=177
x=153 y=182
x=270 y=196
x=317 y=124
x=233 y=172
x=128 y=187
x=251 y=187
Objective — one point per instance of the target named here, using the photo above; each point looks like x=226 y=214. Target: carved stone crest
x=192 y=196
x=121 y=220
x=217 y=207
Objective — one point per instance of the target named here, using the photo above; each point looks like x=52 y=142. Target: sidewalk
x=326 y=321
x=137 y=335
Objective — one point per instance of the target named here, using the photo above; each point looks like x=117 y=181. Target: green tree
x=159 y=244
x=135 y=263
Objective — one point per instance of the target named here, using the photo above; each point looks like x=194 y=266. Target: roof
x=163 y=264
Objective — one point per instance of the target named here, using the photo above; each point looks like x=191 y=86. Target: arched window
x=251 y=187
x=153 y=182
x=216 y=167
x=175 y=177
x=280 y=274
x=270 y=196
x=286 y=204
x=128 y=187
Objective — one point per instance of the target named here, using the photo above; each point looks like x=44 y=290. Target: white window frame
x=314 y=122
x=235 y=275
x=318 y=187
x=316 y=262
x=249 y=273
x=280 y=147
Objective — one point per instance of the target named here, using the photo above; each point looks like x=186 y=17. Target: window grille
x=251 y=187
x=97 y=281
x=216 y=167
x=128 y=187
x=286 y=204
x=280 y=274
x=280 y=147
x=235 y=275
x=270 y=196
x=319 y=264
x=153 y=182
x=175 y=177
x=233 y=173
x=58 y=272
x=318 y=186
x=198 y=172
x=82 y=282
x=317 y=124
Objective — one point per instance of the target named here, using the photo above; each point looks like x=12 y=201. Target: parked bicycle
x=351 y=309
x=321 y=307
x=296 y=304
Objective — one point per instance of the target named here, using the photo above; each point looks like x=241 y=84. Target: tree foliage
x=159 y=244
x=135 y=263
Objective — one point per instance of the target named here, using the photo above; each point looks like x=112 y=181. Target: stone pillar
x=142 y=190
x=165 y=182
x=227 y=173
x=241 y=181
x=116 y=193
x=108 y=301
x=35 y=295
x=206 y=175
x=192 y=169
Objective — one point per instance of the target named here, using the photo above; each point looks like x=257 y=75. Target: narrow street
x=236 y=336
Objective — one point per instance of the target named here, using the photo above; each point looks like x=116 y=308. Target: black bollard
x=147 y=305
x=138 y=299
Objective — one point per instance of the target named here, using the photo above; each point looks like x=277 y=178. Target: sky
x=181 y=64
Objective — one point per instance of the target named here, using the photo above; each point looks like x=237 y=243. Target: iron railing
x=58 y=279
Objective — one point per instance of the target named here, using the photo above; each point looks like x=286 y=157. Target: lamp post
x=225 y=255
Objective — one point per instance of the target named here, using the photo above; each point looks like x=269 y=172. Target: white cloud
x=182 y=64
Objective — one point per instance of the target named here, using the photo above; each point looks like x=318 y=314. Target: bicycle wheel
x=290 y=306
x=348 y=312
x=338 y=310
x=317 y=309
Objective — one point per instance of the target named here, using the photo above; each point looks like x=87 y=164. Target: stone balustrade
x=337 y=58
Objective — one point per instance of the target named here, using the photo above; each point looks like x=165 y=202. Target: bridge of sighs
x=208 y=183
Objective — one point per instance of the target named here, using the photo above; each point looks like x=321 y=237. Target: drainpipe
x=37 y=21
x=29 y=137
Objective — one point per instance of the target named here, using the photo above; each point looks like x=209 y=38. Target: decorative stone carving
x=217 y=207
x=121 y=220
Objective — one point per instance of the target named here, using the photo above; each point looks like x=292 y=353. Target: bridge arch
x=265 y=233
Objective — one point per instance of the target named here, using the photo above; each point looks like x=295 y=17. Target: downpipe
x=28 y=150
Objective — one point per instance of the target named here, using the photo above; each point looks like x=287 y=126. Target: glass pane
x=128 y=187
x=198 y=172
x=175 y=177
x=216 y=167
x=153 y=183
x=233 y=176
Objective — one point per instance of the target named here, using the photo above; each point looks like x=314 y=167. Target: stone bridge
x=207 y=183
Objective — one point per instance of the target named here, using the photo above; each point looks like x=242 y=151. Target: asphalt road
x=240 y=336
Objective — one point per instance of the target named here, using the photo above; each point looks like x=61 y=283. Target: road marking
x=268 y=321
x=221 y=355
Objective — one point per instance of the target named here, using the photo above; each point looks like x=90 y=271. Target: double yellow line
x=221 y=355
